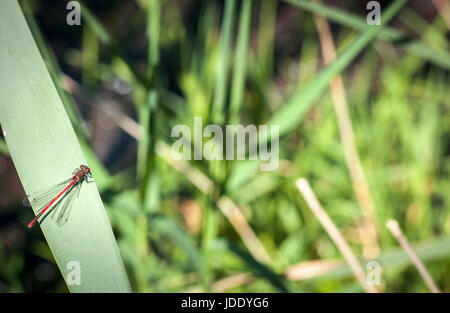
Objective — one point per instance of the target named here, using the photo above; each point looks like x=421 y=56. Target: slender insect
x=59 y=196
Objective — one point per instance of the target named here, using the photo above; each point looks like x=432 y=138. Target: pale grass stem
x=335 y=235
x=394 y=228
x=368 y=228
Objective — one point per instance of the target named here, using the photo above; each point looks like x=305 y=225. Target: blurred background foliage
x=134 y=69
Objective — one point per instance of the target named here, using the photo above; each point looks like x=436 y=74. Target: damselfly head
x=85 y=168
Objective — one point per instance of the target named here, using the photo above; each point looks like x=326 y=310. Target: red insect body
x=78 y=176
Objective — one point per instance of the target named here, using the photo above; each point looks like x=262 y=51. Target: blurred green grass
x=212 y=67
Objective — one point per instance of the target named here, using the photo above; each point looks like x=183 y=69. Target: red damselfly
x=59 y=196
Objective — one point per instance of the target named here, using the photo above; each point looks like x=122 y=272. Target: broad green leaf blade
x=102 y=176
x=45 y=151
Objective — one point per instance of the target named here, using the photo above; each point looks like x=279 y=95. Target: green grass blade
x=168 y=227
x=153 y=30
x=106 y=39
x=293 y=112
x=147 y=164
x=345 y=18
x=418 y=48
x=45 y=151
x=434 y=251
x=90 y=59
x=240 y=62
x=259 y=269
x=266 y=39
x=220 y=89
